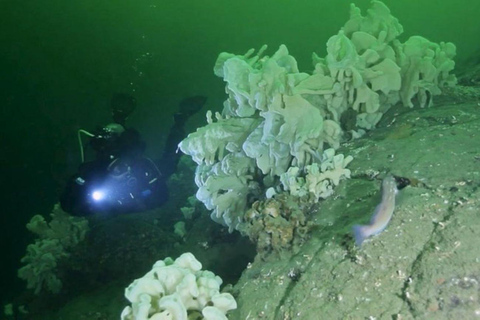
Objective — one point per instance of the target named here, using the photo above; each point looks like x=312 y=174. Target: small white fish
x=382 y=215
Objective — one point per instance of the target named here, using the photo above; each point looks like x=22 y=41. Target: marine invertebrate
x=55 y=239
x=282 y=125
x=177 y=289
x=277 y=224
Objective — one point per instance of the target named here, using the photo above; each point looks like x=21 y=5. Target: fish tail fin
x=360 y=233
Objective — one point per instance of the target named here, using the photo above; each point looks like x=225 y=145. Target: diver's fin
x=188 y=107
x=192 y=104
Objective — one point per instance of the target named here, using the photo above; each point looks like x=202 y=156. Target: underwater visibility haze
x=240 y=160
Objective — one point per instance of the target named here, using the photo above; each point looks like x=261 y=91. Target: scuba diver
x=121 y=179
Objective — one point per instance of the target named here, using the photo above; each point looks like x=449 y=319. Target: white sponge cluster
x=320 y=179
x=277 y=120
x=55 y=239
x=173 y=290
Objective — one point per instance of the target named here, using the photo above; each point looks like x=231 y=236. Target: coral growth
x=277 y=224
x=177 y=290
x=55 y=239
x=280 y=127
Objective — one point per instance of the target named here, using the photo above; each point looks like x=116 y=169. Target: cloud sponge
x=176 y=289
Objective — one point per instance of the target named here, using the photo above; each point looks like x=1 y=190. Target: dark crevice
x=286 y=294
x=293 y=283
x=427 y=247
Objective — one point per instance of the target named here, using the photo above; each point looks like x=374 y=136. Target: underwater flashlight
x=98 y=195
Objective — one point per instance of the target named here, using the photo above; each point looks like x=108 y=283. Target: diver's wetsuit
x=128 y=181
